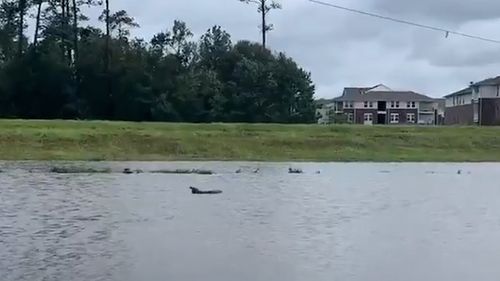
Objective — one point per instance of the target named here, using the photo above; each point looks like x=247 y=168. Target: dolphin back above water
x=195 y=190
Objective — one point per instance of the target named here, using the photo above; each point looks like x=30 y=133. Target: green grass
x=96 y=141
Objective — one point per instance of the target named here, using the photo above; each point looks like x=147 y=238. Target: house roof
x=351 y=94
x=363 y=94
x=489 y=82
x=466 y=91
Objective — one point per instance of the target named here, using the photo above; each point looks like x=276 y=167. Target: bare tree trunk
x=264 y=28
x=76 y=62
x=108 y=36
x=265 y=6
x=75 y=31
x=66 y=23
x=20 y=35
x=37 y=24
x=63 y=28
x=67 y=9
x=107 y=56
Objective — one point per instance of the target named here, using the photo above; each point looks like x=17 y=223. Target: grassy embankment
x=67 y=140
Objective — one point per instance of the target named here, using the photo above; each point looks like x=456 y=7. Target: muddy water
x=351 y=222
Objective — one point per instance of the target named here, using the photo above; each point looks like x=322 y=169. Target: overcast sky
x=342 y=49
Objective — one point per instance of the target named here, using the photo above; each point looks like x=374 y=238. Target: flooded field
x=351 y=222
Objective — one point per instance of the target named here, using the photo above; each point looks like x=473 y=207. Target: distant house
x=478 y=104
x=323 y=114
x=382 y=105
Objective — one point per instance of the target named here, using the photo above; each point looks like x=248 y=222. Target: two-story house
x=382 y=105
x=477 y=104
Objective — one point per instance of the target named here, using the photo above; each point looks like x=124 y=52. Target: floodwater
x=353 y=222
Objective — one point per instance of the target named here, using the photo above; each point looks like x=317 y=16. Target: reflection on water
x=351 y=222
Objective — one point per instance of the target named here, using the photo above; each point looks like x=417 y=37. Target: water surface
x=351 y=222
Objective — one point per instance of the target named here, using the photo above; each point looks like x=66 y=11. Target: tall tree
x=121 y=22
x=215 y=44
x=20 y=36
x=113 y=76
x=75 y=30
x=37 y=22
x=108 y=34
x=64 y=29
x=8 y=30
x=180 y=36
x=107 y=56
x=264 y=7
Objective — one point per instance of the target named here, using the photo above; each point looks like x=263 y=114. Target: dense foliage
x=70 y=70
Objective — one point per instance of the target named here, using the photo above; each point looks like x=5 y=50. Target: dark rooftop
x=361 y=95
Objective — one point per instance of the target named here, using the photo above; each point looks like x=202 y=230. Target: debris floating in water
x=295 y=171
x=184 y=171
x=79 y=170
x=128 y=171
x=195 y=190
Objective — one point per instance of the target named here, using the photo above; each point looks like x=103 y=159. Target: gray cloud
x=454 y=11
x=343 y=49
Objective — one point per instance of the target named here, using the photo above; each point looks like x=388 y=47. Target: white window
x=368 y=104
x=394 y=104
x=368 y=117
x=394 y=118
x=411 y=118
x=350 y=117
x=348 y=104
x=412 y=104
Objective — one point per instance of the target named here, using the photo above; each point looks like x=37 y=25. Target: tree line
x=72 y=70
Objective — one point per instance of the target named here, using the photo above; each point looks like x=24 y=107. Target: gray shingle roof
x=465 y=91
x=360 y=95
x=489 y=82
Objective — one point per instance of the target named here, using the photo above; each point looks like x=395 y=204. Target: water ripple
x=351 y=222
